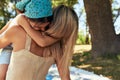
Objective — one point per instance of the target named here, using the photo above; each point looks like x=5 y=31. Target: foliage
x=115 y=10
x=81 y=39
x=65 y=2
x=116 y=14
x=118 y=56
x=108 y=66
x=5 y=14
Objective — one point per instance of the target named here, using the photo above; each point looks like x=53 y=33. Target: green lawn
x=106 y=66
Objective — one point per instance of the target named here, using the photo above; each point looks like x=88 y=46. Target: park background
x=97 y=47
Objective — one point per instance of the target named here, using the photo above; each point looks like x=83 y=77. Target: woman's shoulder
x=14 y=30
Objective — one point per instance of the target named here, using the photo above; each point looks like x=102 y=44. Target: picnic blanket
x=75 y=74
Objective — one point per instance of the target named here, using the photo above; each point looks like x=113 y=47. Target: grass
x=107 y=66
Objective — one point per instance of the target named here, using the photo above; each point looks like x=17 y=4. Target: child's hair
x=19 y=11
x=43 y=20
x=64 y=27
x=35 y=8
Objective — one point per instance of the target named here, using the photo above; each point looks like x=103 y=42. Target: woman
x=59 y=53
x=63 y=48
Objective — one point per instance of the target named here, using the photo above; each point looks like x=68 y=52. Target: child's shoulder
x=20 y=16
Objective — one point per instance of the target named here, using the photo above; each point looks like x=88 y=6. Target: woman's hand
x=64 y=75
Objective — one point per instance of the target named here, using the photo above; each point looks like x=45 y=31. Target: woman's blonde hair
x=65 y=28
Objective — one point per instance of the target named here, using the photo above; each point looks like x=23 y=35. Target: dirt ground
x=81 y=48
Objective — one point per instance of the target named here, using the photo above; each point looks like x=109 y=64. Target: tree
x=103 y=37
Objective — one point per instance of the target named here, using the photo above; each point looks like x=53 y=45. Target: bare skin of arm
x=9 y=37
x=37 y=36
x=5 y=39
x=62 y=75
x=5 y=27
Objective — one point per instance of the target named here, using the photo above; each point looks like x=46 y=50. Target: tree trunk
x=99 y=18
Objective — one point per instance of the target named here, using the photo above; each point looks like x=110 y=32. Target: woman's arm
x=37 y=36
x=61 y=72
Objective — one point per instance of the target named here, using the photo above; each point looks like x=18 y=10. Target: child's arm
x=6 y=38
x=41 y=40
x=5 y=27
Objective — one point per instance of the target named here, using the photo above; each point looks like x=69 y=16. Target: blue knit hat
x=38 y=8
x=21 y=4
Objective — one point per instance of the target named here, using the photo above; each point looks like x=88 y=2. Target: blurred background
x=97 y=47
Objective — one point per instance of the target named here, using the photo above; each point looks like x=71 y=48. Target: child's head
x=20 y=6
x=38 y=23
x=37 y=11
x=35 y=8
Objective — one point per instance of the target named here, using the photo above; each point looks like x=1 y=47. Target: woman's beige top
x=24 y=65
